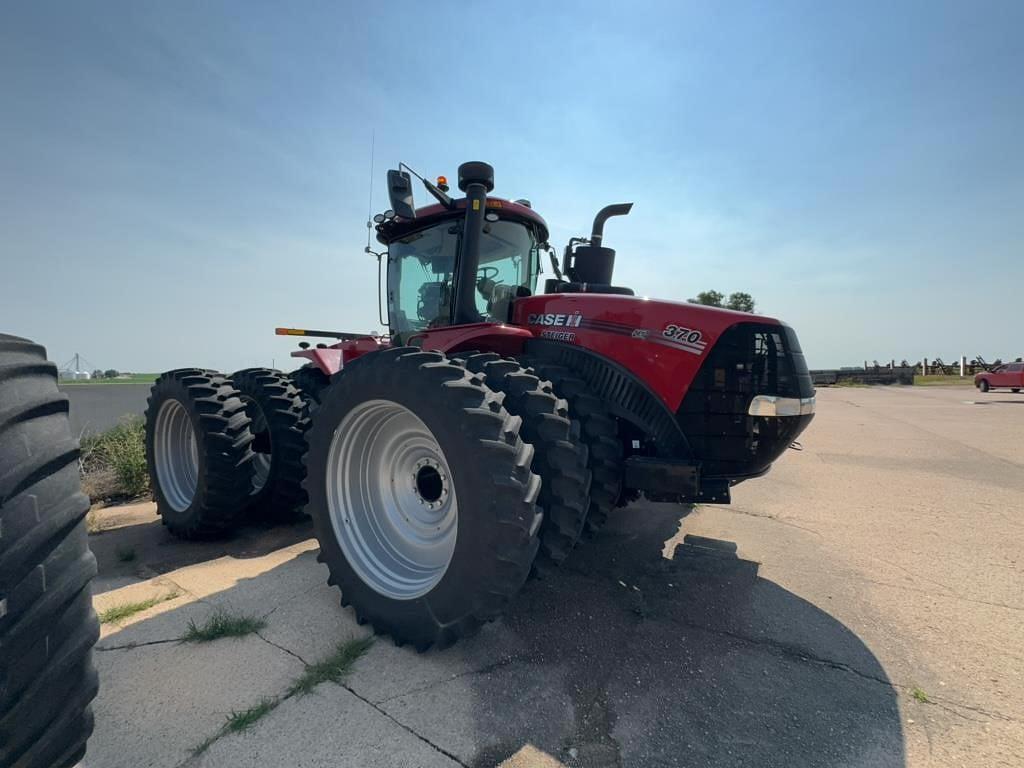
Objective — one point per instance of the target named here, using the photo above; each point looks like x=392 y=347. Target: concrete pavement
x=859 y=606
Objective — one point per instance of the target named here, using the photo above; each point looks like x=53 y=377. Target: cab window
x=420 y=270
x=509 y=259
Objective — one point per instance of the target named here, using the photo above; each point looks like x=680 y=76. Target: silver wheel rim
x=260 y=460
x=391 y=499
x=176 y=455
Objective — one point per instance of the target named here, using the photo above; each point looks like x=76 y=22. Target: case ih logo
x=561 y=321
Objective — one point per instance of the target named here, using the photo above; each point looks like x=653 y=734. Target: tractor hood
x=664 y=342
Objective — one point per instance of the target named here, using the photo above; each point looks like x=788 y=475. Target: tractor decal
x=672 y=335
x=566 y=336
x=683 y=338
x=569 y=321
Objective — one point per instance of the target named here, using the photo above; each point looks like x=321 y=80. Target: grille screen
x=749 y=359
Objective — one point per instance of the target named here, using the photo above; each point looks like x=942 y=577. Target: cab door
x=999 y=376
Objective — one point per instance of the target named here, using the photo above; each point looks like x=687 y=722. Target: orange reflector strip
x=289 y=332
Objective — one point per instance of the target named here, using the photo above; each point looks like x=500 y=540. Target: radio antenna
x=369 y=207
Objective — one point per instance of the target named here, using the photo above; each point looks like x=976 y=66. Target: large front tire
x=47 y=624
x=422 y=496
x=198 y=448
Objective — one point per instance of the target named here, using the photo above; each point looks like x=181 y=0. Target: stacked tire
x=47 y=624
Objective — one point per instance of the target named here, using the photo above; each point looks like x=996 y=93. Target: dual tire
x=422 y=494
x=560 y=456
x=223 y=449
x=598 y=432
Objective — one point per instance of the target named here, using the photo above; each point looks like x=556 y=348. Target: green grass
x=220 y=625
x=240 y=721
x=332 y=669
x=121 y=612
x=933 y=380
x=125 y=554
x=120 y=452
x=849 y=383
x=132 y=378
x=920 y=696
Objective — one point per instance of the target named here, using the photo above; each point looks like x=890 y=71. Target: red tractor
x=491 y=427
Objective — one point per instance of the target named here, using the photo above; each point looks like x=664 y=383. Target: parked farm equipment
x=490 y=427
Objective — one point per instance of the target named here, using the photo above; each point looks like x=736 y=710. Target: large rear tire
x=560 y=458
x=600 y=433
x=275 y=408
x=199 y=452
x=47 y=624
x=422 y=496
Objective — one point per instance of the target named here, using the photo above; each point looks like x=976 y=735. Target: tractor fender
x=626 y=396
x=327 y=359
x=331 y=359
x=486 y=337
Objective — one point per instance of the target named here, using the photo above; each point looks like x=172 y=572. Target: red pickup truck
x=1008 y=376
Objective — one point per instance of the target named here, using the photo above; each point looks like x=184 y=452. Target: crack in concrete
x=130 y=646
x=439 y=749
x=282 y=648
x=467 y=673
x=799 y=654
x=772 y=518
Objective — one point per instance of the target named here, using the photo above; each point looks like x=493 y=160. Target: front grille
x=749 y=359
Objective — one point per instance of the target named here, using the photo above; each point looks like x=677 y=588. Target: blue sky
x=176 y=179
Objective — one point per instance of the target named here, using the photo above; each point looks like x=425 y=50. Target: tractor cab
x=459 y=261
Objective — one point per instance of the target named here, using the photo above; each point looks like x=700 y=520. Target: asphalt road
x=97 y=407
x=859 y=606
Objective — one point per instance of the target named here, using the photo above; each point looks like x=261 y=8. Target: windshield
x=421 y=269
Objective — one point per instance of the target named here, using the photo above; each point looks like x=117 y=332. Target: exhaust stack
x=615 y=209
x=593 y=263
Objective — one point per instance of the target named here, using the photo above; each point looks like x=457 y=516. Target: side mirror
x=400 y=194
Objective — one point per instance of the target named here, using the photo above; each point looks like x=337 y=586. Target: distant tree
x=708 y=298
x=97 y=374
x=110 y=373
x=997 y=361
x=741 y=302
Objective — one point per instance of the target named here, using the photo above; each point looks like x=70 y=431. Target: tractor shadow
x=648 y=648
x=674 y=651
